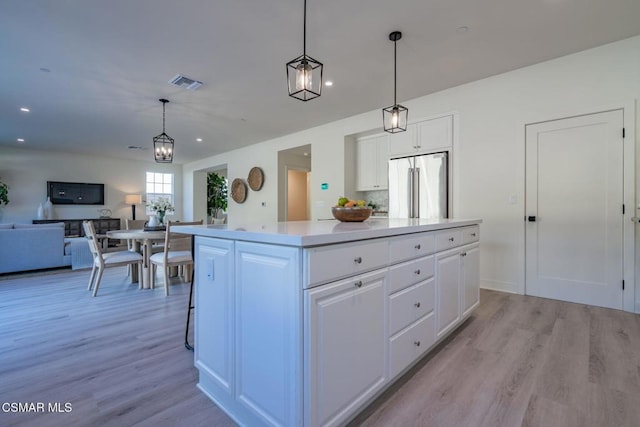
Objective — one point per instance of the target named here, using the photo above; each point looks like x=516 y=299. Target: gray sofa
x=32 y=246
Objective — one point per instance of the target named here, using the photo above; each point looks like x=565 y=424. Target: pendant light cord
x=304 y=30
x=163 y=104
x=395 y=69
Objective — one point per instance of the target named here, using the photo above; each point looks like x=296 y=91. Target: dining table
x=143 y=239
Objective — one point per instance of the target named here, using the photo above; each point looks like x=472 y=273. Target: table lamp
x=133 y=200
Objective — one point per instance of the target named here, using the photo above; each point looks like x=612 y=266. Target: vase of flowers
x=160 y=207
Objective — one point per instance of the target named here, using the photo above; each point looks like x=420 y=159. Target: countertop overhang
x=316 y=233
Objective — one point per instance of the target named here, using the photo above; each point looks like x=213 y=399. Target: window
x=159 y=185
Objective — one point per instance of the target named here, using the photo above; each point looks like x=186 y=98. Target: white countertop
x=315 y=233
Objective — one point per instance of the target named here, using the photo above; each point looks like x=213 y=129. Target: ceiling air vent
x=185 y=82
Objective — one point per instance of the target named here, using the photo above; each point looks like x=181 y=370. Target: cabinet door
x=214 y=315
x=470 y=278
x=447 y=290
x=382 y=163
x=366 y=153
x=268 y=334
x=403 y=143
x=435 y=134
x=372 y=158
x=345 y=346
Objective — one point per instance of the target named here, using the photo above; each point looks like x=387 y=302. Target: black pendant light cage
x=304 y=74
x=394 y=118
x=163 y=143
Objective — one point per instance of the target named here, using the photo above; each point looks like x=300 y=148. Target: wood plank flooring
x=523 y=361
x=119 y=360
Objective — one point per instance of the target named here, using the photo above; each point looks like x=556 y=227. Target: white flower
x=160 y=205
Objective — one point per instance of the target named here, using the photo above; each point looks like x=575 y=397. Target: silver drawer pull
x=417 y=343
x=358 y=260
x=417 y=304
x=451 y=239
x=473 y=234
x=417 y=272
x=358 y=284
x=417 y=246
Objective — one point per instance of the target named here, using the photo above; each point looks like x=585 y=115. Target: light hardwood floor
x=523 y=361
x=119 y=360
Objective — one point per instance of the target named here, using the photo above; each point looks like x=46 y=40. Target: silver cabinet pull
x=463 y=254
x=358 y=260
x=417 y=343
x=358 y=284
x=417 y=304
x=417 y=272
x=473 y=234
x=451 y=239
x=417 y=246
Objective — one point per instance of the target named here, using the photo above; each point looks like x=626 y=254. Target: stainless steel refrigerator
x=418 y=186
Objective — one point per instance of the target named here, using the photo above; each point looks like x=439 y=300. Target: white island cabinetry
x=305 y=324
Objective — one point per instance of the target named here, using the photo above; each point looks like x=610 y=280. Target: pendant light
x=394 y=117
x=163 y=143
x=304 y=74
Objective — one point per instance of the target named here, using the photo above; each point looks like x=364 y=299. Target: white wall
x=27 y=172
x=488 y=157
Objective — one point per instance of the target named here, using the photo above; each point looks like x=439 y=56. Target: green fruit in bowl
x=342 y=201
x=361 y=203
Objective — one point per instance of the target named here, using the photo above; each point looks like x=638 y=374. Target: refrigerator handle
x=410 y=198
x=415 y=194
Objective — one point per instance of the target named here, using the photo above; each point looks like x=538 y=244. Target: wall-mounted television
x=75 y=193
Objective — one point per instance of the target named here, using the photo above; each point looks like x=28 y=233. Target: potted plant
x=4 y=194
x=216 y=195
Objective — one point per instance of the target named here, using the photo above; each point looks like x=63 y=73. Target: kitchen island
x=305 y=323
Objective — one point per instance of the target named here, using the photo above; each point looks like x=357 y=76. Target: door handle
x=531 y=218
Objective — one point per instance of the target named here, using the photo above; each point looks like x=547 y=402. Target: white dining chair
x=177 y=253
x=103 y=260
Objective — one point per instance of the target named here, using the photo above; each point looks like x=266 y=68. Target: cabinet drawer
x=407 y=346
x=408 y=305
x=411 y=246
x=410 y=273
x=327 y=263
x=470 y=234
x=447 y=239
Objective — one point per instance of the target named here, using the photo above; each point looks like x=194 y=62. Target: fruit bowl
x=353 y=214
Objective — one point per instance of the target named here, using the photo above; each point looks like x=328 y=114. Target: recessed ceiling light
x=462 y=30
x=24 y=109
x=328 y=83
x=20 y=139
x=198 y=139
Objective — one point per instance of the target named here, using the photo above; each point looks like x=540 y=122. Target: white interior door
x=574 y=197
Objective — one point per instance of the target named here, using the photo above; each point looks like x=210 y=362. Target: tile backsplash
x=380 y=198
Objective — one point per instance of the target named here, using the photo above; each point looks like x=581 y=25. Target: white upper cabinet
x=403 y=143
x=372 y=154
x=423 y=137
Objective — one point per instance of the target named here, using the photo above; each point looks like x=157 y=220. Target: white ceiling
x=110 y=62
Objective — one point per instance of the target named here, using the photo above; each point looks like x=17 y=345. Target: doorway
x=574 y=245
x=297 y=195
x=294 y=191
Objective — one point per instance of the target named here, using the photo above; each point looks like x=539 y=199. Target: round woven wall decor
x=238 y=190
x=256 y=178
